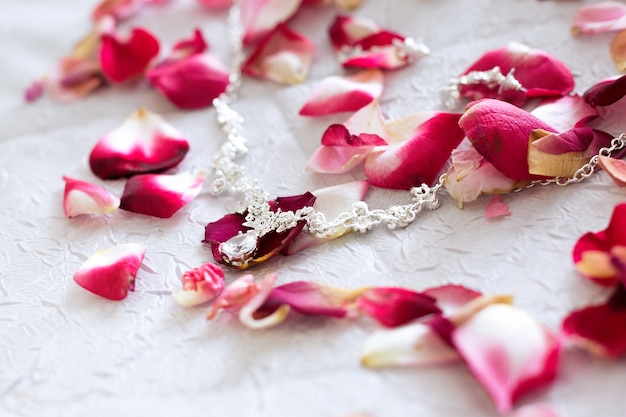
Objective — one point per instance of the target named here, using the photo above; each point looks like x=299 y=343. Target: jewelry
x=260 y=219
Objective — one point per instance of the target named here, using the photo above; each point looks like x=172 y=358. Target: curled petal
x=332 y=201
x=394 y=307
x=111 y=273
x=186 y=48
x=336 y=94
x=348 y=30
x=500 y=132
x=496 y=208
x=125 y=59
x=561 y=155
x=160 y=195
x=540 y=74
x=472 y=175
x=600 y=17
x=414 y=344
x=74 y=78
x=284 y=56
x=200 y=285
x=143 y=143
x=565 y=112
x=260 y=17
x=606 y=92
x=81 y=197
x=235 y=295
x=192 y=82
x=314 y=299
x=508 y=352
x=451 y=297
x=425 y=142
x=254 y=316
x=616 y=168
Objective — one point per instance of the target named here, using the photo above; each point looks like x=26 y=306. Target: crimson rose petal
x=125 y=59
x=394 y=307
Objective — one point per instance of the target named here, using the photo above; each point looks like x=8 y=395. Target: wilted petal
x=472 y=175
x=616 y=168
x=143 y=143
x=81 y=197
x=284 y=56
x=414 y=344
x=160 y=195
x=192 y=82
x=500 y=132
x=235 y=295
x=254 y=317
x=74 y=78
x=111 y=273
x=200 y=285
x=540 y=74
x=508 y=352
x=332 y=201
x=423 y=145
x=336 y=94
x=394 y=307
x=125 y=59
x=260 y=17
x=600 y=17
x=496 y=208
x=565 y=112
x=562 y=154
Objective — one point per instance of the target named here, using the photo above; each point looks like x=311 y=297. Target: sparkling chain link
x=230 y=176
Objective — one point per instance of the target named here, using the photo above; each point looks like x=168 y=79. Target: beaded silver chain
x=260 y=219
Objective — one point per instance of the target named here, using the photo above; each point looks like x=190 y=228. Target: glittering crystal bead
x=239 y=249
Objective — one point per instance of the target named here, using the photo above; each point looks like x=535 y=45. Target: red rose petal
x=394 y=307
x=124 y=59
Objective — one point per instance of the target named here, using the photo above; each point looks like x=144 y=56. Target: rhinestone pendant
x=237 y=250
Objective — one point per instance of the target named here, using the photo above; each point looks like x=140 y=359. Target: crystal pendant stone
x=237 y=250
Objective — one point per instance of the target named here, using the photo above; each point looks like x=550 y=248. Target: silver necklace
x=229 y=176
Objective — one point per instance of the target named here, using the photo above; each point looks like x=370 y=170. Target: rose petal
x=254 y=318
x=74 y=78
x=472 y=175
x=186 y=48
x=111 y=273
x=284 y=56
x=216 y=4
x=535 y=410
x=394 y=307
x=332 y=201
x=337 y=94
x=500 y=131
x=348 y=30
x=426 y=141
x=235 y=295
x=414 y=344
x=600 y=17
x=81 y=197
x=496 y=208
x=190 y=83
x=143 y=143
x=124 y=59
x=35 y=90
x=565 y=112
x=260 y=17
x=508 y=352
x=160 y=195
x=451 y=297
x=200 y=285
x=616 y=168
x=606 y=92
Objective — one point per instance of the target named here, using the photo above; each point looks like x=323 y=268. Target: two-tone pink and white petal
x=393 y=306
x=126 y=58
x=337 y=94
x=605 y=16
x=540 y=74
x=421 y=145
x=332 y=201
x=344 y=146
x=283 y=56
x=160 y=195
x=253 y=316
x=565 y=112
x=111 y=273
x=508 y=352
x=200 y=285
x=82 y=197
x=348 y=30
x=260 y=17
x=236 y=294
x=143 y=143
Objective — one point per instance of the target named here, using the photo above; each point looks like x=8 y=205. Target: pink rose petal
x=394 y=307
x=451 y=297
x=540 y=74
x=616 y=168
x=125 y=59
x=186 y=48
x=348 y=30
x=160 y=195
x=500 y=132
x=496 y=208
x=535 y=410
x=200 y=285
x=284 y=56
x=75 y=78
x=336 y=94
x=216 y=4
x=143 y=143
x=600 y=17
x=235 y=295
x=508 y=352
x=35 y=90
x=425 y=142
x=260 y=17
x=111 y=273
x=565 y=112
x=81 y=197
x=254 y=316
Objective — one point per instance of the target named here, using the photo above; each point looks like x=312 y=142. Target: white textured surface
x=64 y=352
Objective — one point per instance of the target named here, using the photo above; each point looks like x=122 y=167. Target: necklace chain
x=229 y=176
